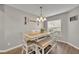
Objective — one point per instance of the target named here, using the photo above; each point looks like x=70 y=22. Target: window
x=55 y=24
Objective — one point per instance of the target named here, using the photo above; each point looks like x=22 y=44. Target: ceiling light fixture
x=41 y=18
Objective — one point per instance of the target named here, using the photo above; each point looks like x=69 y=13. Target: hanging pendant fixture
x=41 y=18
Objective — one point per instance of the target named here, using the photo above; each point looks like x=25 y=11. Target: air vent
x=74 y=18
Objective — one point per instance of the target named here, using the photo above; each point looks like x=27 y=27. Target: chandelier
x=41 y=18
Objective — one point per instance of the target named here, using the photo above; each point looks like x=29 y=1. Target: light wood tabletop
x=33 y=35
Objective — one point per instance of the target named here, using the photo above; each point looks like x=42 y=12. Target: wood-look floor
x=13 y=51
x=62 y=48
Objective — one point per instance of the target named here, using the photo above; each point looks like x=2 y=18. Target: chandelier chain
x=41 y=10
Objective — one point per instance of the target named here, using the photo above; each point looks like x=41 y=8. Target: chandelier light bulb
x=41 y=18
x=44 y=19
x=37 y=19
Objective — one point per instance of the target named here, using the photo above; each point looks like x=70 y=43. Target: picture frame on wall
x=73 y=18
x=25 y=20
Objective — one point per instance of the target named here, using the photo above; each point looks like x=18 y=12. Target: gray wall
x=2 y=41
x=12 y=26
x=70 y=30
x=73 y=27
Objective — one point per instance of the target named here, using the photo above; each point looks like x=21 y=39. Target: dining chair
x=28 y=46
x=44 y=46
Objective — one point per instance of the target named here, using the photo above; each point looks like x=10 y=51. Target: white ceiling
x=48 y=9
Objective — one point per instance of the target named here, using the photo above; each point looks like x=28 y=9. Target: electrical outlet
x=8 y=44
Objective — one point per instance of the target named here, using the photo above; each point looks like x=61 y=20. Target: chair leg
x=42 y=51
x=36 y=49
x=22 y=51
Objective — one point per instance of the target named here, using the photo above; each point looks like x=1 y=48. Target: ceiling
x=48 y=9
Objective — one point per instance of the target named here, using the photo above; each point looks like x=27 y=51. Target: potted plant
x=42 y=30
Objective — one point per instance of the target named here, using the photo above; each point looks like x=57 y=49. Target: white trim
x=6 y=50
x=69 y=44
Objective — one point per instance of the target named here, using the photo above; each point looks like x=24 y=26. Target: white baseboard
x=2 y=51
x=69 y=44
